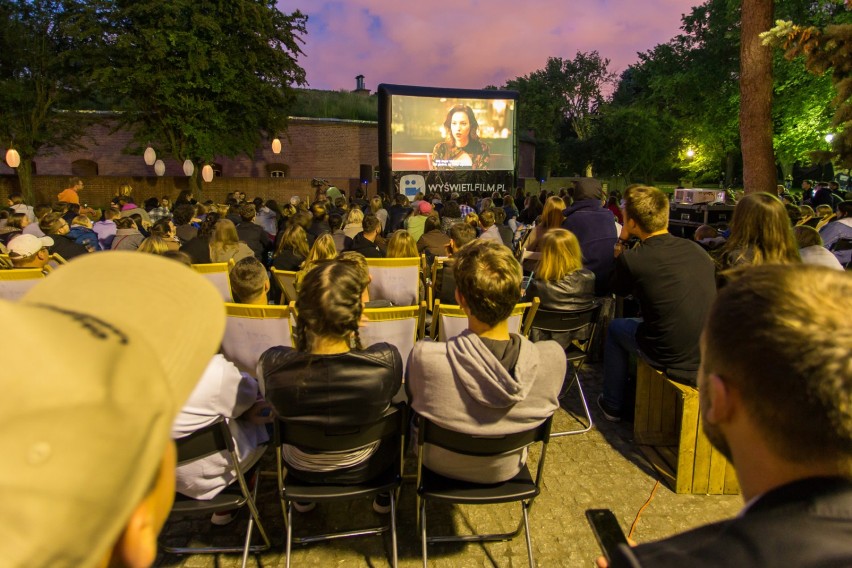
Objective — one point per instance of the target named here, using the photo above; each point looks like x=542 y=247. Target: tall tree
x=45 y=70
x=202 y=79
x=759 y=172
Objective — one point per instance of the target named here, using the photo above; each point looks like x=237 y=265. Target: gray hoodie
x=460 y=385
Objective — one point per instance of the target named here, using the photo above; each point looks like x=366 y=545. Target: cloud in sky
x=472 y=43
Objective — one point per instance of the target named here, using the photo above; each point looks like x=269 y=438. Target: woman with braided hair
x=329 y=380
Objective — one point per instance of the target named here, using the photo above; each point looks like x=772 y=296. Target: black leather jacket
x=333 y=390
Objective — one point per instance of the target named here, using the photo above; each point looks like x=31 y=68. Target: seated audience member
x=808 y=216
x=506 y=233
x=89 y=467
x=840 y=228
x=360 y=263
x=198 y=247
x=253 y=234
x=444 y=287
x=341 y=241
x=490 y=232
x=825 y=214
x=377 y=208
x=222 y=391
x=322 y=250
x=225 y=244
x=416 y=223
x=775 y=396
x=811 y=248
x=105 y=229
x=760 y=234
x=450 y=215
x=319 y=222
x=325 y=382
x=402 y=245
x=17 y=205
x=595 y=228
x=130 y=208
x=673 y=281
x=157 y=209
x=354 y=220
x=249 y=282
x=15 y=226
x=472 y=219
x=267 y=217
x=127 y=236
x=551 y=218
x=165 y=229
x=708 y=237
x=292 y=248
x=182 y=218
x=485 y=381
x=397 y=213
x=55 y=227
x=153 y=245
x=29 y=251
x=304 y=220
x=81 y=232
x=434 y=241
x=34 y=228
x=368 y=241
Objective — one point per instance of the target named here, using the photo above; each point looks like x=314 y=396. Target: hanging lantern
x=159 y=167
x=276 y=146
x=188 y=167
x=13 y=159
x=150 y=156
x=207 y=173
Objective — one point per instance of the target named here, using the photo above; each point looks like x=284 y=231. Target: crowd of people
x=735 y=312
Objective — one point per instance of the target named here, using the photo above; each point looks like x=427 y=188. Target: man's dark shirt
x=256 y=238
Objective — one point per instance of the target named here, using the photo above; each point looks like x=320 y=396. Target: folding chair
x=437 y=266
x=449 y=321
x=320 y=438
x=210 y=440
x=251 y=330
x=395 y=279
x=15 y=282
x=522 y=487
x=217 y=274
x=286 y=281
x=5 y=261
x=582 y=323
x=400 y=326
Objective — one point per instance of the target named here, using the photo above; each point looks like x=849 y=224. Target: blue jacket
x=84 y=236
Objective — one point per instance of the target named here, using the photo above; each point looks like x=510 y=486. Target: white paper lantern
x=188 y=167
x=150 y=156
x=13 y=159
x=159 y=167
x=276 y=146
x=207 y=173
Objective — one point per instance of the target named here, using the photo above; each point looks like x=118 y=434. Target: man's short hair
x=370 y=223
x=248 y=277
x=648 y=207
x=489 y=278
x=486 y=218
x=51 y=223
x=782 y=336
x=806 y=236
x=247 y=212
x=335 y=221
x=462 y=233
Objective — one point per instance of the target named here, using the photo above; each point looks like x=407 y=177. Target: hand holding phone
x=607 y=531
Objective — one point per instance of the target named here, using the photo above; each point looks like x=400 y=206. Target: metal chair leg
x=393 y=528
x=527 y=533
x=289 y=531
x=576 y=379
x=423 y=532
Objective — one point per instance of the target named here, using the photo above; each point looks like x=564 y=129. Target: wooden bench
x=668 y=428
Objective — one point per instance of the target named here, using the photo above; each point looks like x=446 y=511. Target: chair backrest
x=473 y=445
x=449 y=321
x=321 y=438
x=437 y=266
x=217 y=274
x=395 y=279
x=286 y=281
x=251 y=330
x=557 y=321
x=15 y=282
x=401 y=326
x=211 y=439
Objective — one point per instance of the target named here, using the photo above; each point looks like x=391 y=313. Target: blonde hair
x=224 y=238
x=551 y=216
x=153 y=245
x=560 y=255
x=355 y=216
x=402 y=245
x=376 y=204
x=472 y=219
x=323 y=249
x=295 y=239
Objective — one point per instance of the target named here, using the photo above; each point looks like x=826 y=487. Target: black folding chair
x=210 y=440
x=579 y=323
x=522 y=487
x=338 y=439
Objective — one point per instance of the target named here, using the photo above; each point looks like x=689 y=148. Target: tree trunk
x=756 y=98
x=25 y=180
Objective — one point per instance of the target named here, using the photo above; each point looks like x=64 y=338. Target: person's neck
x=645 y=236
x=370 y=236
x=329 y=345
x=259 y=300
x=498 y=332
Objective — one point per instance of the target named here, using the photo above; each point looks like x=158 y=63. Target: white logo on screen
x=412 y=184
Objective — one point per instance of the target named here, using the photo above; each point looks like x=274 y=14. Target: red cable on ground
x=641 y=509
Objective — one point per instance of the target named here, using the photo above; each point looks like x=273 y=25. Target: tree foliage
x=201 y=79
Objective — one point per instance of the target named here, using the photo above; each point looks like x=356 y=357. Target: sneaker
x=304 y=506
x=382 y=503
x=222 y=519
x=609 y=414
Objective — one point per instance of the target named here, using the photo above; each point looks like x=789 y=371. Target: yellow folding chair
x=251 y=330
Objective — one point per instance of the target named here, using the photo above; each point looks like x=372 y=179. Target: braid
x=329 y=304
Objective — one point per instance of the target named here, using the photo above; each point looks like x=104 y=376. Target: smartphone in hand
x=607 y=530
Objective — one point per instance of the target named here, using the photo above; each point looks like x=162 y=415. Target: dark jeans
x=620 y=344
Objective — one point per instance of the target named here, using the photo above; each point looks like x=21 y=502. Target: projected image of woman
x=462 y=148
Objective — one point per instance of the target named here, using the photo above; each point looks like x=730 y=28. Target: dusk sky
x=472 y=43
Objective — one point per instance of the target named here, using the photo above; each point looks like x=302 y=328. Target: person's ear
x=137 y=545
x=719 y=408
x=266 y=286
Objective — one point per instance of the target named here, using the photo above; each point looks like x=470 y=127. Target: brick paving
x=599 y=469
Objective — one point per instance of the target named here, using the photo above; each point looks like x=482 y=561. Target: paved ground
x=599 y=469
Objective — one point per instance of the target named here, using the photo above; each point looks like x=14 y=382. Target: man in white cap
x=30 y=251
x=88 y=466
